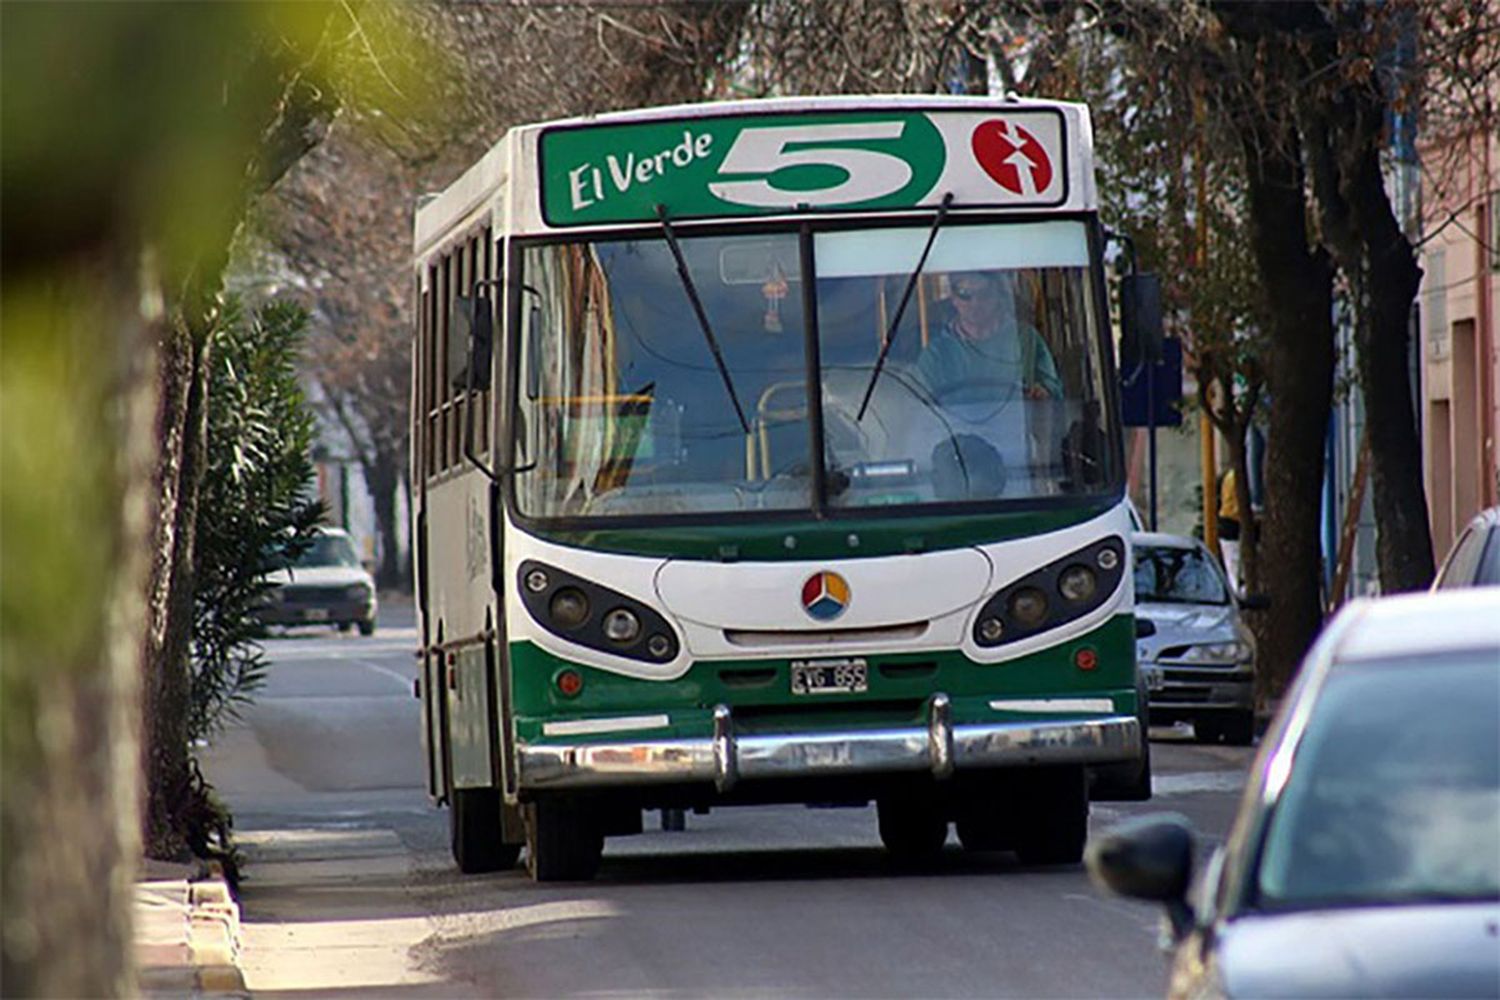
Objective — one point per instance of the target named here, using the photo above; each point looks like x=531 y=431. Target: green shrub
x=256 y=508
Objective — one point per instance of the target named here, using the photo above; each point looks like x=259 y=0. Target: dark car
x=1196 y=655
x=327 y=585
x=1365 y=856
x=1474 y=560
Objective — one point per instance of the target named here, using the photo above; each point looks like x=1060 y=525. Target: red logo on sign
x=1012 y=157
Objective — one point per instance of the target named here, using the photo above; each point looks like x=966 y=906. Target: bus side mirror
x=471 y=340
x=1140 y=320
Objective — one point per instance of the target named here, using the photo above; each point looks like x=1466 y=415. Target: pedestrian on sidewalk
x=1229 y=528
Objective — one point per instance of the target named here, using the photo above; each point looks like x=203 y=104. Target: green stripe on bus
x=899 y=683
x=813 y=539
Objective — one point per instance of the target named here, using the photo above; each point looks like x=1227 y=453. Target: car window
x=1458 y=571
x=1394 y=792
x=1181 y=576
x=1489 y=564
x=328 y=550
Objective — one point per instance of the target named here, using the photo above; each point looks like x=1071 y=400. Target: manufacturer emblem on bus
x=825 y=595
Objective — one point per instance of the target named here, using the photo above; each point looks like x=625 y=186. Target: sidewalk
x=187 y=932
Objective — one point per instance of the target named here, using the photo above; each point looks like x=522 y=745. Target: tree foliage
x=255 y=511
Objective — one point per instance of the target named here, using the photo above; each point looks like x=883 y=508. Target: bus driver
x=984 y=345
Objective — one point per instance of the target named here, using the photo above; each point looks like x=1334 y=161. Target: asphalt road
x=350 y=890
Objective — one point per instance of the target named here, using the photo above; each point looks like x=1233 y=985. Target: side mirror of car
x=1150 y=858
x=1255 y=602
x=1144 y=627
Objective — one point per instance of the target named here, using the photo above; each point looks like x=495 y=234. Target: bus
x=769 y=452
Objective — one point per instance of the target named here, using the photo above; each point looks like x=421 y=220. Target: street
x=349 y=887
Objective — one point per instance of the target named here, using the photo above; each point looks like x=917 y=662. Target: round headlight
x=991 y=629
x=622 y=626
x=569 y=608
x=536 y=581
x=1077 y=583
x=658 y=646
x=1028 y=607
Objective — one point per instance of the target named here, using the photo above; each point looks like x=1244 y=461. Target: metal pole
x=1151 y=433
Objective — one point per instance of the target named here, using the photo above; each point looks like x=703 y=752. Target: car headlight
x=358 y=592
x=1217 y=652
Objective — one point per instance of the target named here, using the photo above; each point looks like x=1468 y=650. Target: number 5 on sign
x=868 y=174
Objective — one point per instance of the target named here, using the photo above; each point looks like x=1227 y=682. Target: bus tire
x=563 y=843
x=912 y=829
x=1057 y=818
x=367 y=627
x=474 y=832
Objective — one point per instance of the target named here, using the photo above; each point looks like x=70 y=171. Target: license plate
x=315 y=615
x=830 y=677
x=1153 y=676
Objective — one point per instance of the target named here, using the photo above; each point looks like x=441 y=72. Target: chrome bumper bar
x=727 y=759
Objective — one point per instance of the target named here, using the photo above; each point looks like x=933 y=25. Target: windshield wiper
x=911 y=283
x=708 y=332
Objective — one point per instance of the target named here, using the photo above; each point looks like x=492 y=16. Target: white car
x=326 y=585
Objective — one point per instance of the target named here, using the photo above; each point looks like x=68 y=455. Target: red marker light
x=569 y=683
x=1086 y=659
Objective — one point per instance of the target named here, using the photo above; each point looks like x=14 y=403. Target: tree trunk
x=1403 y=545
x=181 y=426
x=1299 y=377
x=383 y=477
x=79 y=400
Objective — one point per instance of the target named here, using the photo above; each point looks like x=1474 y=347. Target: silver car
x=1364 y=860
x=1196 y=655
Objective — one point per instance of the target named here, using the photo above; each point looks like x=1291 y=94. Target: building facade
x=1460 y=306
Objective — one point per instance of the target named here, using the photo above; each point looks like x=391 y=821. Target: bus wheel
x=563 y=843
x=1056 y=807
x=474 y=830
x=912 y=829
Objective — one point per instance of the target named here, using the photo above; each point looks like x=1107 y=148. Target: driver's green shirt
x=1018 y=357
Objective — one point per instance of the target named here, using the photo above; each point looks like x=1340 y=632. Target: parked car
x=1365 y=856
x=327 y=584
x=1474 y=560
x=1195 y=653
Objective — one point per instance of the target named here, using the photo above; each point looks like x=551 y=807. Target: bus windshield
x=992 y=388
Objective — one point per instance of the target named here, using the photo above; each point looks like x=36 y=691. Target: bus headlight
x=1028 y=607
x=569 y=608
x=1077 y=583
x=622 y=626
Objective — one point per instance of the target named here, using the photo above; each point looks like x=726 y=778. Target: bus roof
x=779 y=157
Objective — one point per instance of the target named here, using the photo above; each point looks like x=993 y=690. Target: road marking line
x=401 y=679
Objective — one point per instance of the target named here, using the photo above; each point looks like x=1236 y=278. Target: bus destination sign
x=769 y=164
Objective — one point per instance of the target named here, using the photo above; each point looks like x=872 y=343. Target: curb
x=187 y=937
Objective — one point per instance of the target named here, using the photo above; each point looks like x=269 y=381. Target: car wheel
x=474 y=832
x=1057 y=817
x=345 y=626
x=563 y=843
x=911 y=828
x=366 y=627
x=1239 y=729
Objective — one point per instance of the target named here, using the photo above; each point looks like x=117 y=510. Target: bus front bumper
x=727 y=759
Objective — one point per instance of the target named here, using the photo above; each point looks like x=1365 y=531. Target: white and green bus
x=769 y=452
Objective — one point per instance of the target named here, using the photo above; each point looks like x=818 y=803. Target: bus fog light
x=991 y=629
x=658 y=646
x=569 y=608
x=1086 y=658
x=622 y=626
x=536 y=581
x=1077 y=583
x=1028 y=607
x=569 y=683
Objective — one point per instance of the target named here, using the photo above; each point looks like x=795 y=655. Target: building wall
x=1460 y=307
